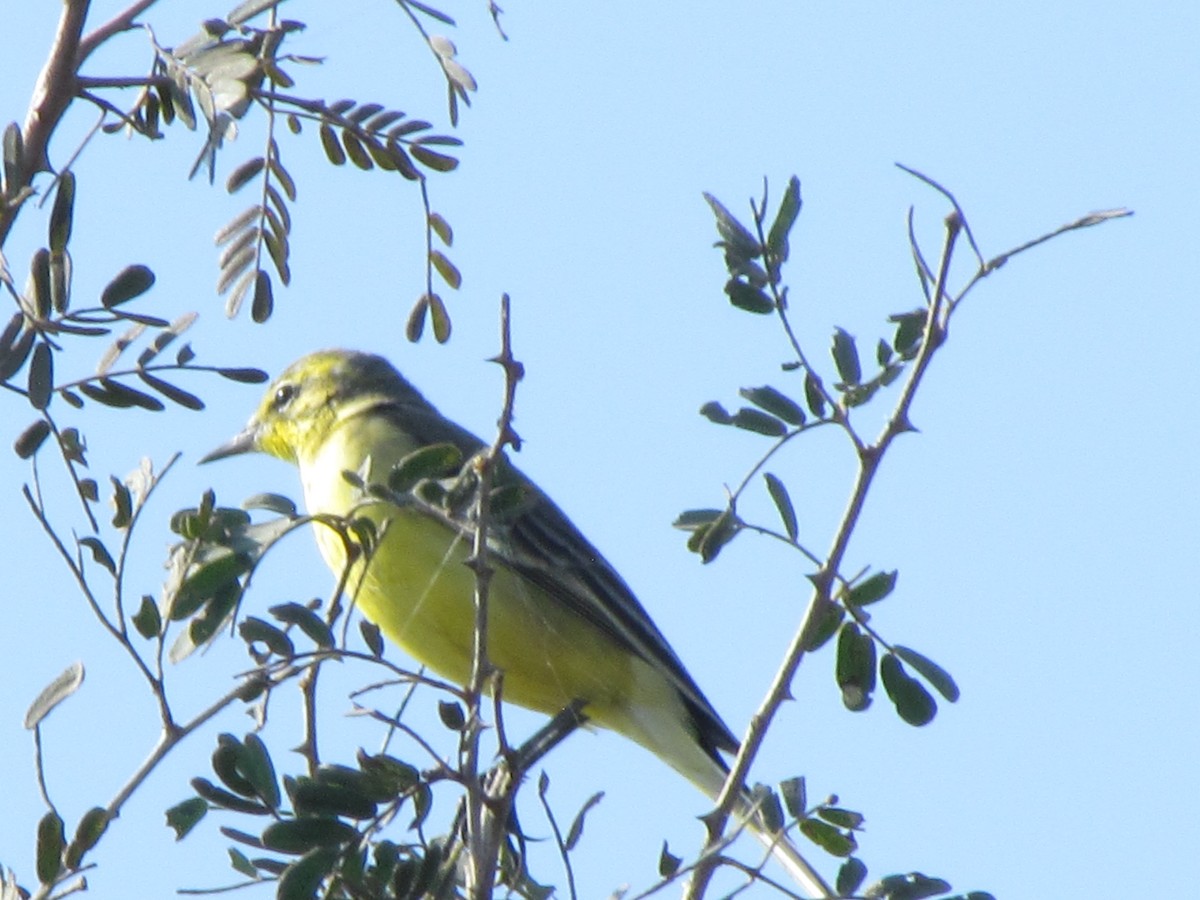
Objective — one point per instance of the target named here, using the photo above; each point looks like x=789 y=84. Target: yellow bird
x=562 y=624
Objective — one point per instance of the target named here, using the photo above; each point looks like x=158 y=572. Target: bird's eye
x=283 y=396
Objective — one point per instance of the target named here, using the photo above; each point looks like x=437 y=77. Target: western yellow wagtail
x=562 y=624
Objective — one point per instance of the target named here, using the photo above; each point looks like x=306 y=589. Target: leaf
x=734 y=235
x=575 y=832
x=715 y=412
x=828 y=838
x=183 y=817
x=746 y=296
x=53 y=694
x=147 y=620
x=297 y=836
x=306 y=620
x=244 y=375
x=431 y=461
x=302 y=879
x=329 y=142
x=122 y=502
x=254 y=764
x=795 y=796
x=244 y=174
x=91 y=828
x=850 y=877
x=100 y=553
x=941 y=680
x=441 y=228
x=855 y=670
x=785 y=218
x=776 y=403
x=356 y=152
x=845 y=357
x=668 y=862
x=254 y=630
x=41 y=376
x=439 y=162
x=131 y=282
x=842 y=818
x=62 y=213
x=783 y=503
x=446 y=269
x=370 y=634
x=51 y=839
x=873 y=589
x=759 y=422
x=171 y=392
x=913 y=703
x=31 y=439
x=452 y=715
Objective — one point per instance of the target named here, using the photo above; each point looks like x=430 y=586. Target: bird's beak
x=244 y=442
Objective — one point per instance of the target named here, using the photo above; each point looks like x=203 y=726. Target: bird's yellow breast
x=420 y=593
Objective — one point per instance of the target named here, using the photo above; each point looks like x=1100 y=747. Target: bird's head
x=307 y=401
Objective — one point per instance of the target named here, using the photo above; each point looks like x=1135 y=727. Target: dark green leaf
x=842 y=818
x=147 y=619
x=452 y=715
x=774 y=402
x=183 y=817
x=873 y=589
x=823 y=625
x=746 y=296
x=122 y=501
x=131 y=282
x=783 y=503
x=855 y=669
x=275 y=503
x=910 y=327
x=850 y=877
x=431 y=461
x=795 y=796
x=789 y=209
x=575 y=832
x=241 y=864
x=244 y=375
x=255 y=631
x=668 y=862
x=51 y=839
x=91 y=828
x=206 y=579
x=941 y=680
x=439 y=162
x=32 y=438
x=60 y=287
x=323 y=798
x=225 y=763
x=356 y=152
x=256 y=767
x=845 y=357
x=39 y=283
x=263 y=302
x=370 y=634
x=333 y=148
x=913 y=703
x=827 y=837
x=296 y=836
x=715 y=412
x=913 y=886
x=692 y=519
x=709 y=540
x=306 y=620
x=41 y=376
x=735 y=237
x=171 y=392
x=244 y=174
x=100 y=553
x=227 y=799
x=302 y=879
x=759 y=422
x=883 y=353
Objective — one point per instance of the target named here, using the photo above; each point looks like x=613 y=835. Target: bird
x=563 y=626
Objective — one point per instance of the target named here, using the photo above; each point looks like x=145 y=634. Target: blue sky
x=1043 y=520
